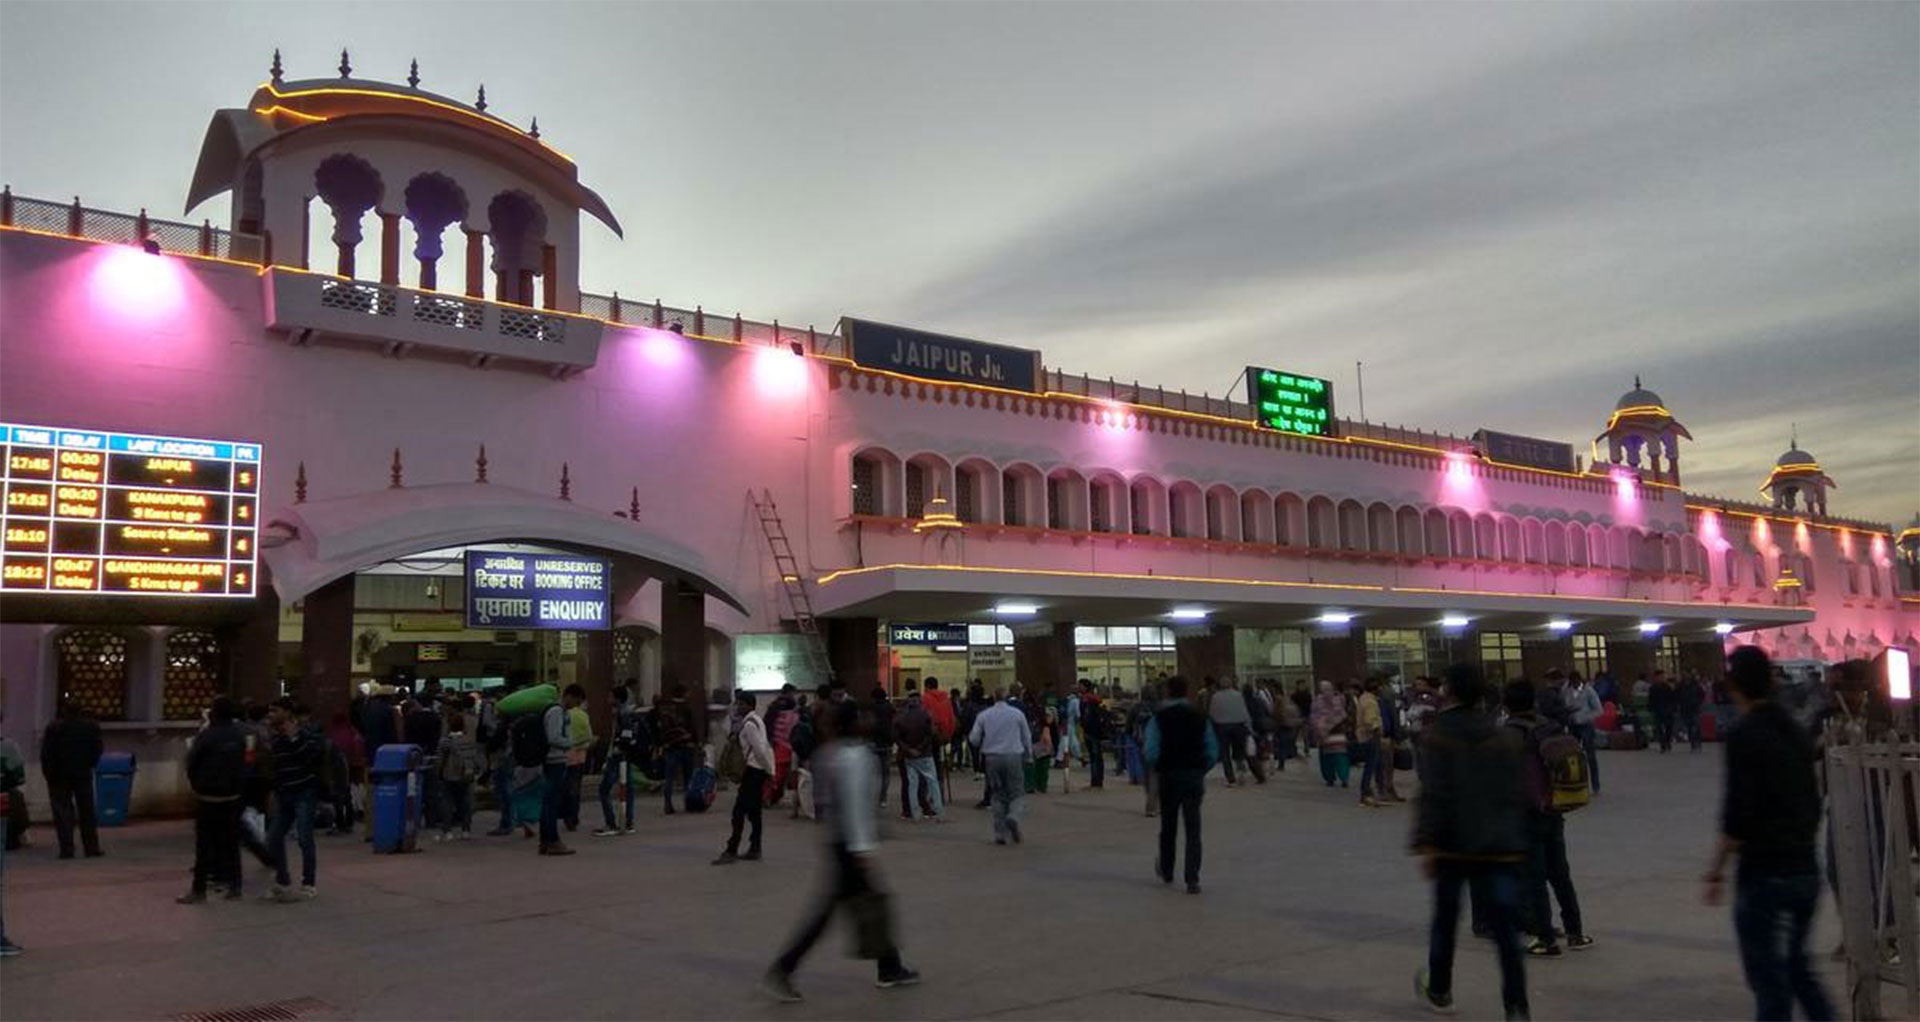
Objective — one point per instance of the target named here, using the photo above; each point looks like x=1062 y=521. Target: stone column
x=1706 y=656
x=683 y=645
x=1044 y=657
x=549 y=278
x=326 y=646
x=593 y=669
x=476 y=263
x=254 y=645
x=1204 y=652
x=390 y=248
x=853 y=648
x=1340 y=658
x=1629 y=658
x=1537 y=657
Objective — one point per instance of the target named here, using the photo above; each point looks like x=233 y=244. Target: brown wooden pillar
x=254 y=645
x=390 y=248
x=593 y=669
x=1705 y=657
x=1044 y=657
x=1629 y=658
x=549 y=278
x=523 y=288
x=476 y=263
x=1204 y=652
x=683 y=645
x=1538 y=656
x=1340 y=658
x=326 y=646
x=853 y=648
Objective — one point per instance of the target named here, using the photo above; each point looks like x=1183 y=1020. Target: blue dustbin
x=113 y=788
x=396 y=777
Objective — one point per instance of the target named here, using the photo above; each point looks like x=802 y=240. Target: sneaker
x=1193 y=888
x=1519 y=1014
x=750 y=855
x=607 y=832
x=466 y=835
x=628 y=829
x=233 y=894
x=727 y=859
x=191 y=898
x=1165 y=875
x=1367 y=802
x=286 y=896
x=1541 y=949
x=1013 y=828
x=1439 y=1004
x=272 y=893
x=903 y=978
x=1579 y=943
x=779 y=986
x=308 y=893
x=556 y=848
x=8 y=949
x=883 y=803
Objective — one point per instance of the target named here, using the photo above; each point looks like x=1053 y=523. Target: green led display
x=1289 y=402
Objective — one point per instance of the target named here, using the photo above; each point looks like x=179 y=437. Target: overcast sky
x=1505 y=211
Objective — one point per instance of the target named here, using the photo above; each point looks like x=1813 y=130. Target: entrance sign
x=508 y=589
x=1289 y=402
x=1527 y=451
x=123 y=514
x=922 y=634
x=939 y=357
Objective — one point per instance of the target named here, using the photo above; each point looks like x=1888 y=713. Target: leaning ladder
x=799 y=602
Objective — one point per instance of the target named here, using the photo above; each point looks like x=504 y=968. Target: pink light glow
x=1762 y=537
x=1803 y=538
x=1710 y=530
x=1623 y=485
x=1846 y=539
x=663 y=349
x=779 y=373
x=131 y=285
x=1458 y=480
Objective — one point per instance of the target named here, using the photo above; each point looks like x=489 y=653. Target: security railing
x=77 y=221
x=698 y=322
x=1757 y=508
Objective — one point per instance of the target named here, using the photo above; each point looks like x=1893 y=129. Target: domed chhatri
x=1796 y=474
x=1641 y=423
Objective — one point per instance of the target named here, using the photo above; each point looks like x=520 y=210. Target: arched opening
x=1322 y=532
x=517 y=226
x=1673 y=554
x=1352 y=525
x=876 y=483
x=1186 y=511
x=1577 y=545
x=928 y=476
x=1533 y=541
x=1512 y=549
x=195 y=672
x=1730 y=568
x=1556 y=542
x=1412 y=527
x=1222 y=514
x=1436 y=539
x=1381 y=538
x=1148 y=502
x=973 y=484
x=351 y=189
x=1022 y=497
x=1066 y=500
x=1460 y=532
x=1107 y=503
x=1486 y=537
x=1290 y=520
x=433 y=203
x=1256 y=517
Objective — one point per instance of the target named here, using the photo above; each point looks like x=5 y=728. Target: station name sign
x=124 y=514
x=930 y=356
x=922 y=634
x=1290 y=402
x=1531 y=452
x=507 y=589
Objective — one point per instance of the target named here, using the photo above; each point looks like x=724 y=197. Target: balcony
x=307 y=306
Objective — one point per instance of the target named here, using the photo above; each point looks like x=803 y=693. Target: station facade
x=393 y=323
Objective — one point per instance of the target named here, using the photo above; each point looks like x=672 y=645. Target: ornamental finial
x=1793 y=440
x=535 y=130
x=394 y=472
x=481 y=103
x=275 y=71
x=566 y=482
x=413 y=75
x=346 y=66
x=480 y=466
x=300 y=484
x=1636 y=381
x=633 y=506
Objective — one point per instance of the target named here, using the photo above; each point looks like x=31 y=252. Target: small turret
x=1641 y=424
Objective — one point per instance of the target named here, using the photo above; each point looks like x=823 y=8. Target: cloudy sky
x=1505 y=211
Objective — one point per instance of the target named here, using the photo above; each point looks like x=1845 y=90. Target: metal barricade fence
x=1874 y=823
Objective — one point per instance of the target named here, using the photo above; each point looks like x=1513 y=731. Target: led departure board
x=1289 y=402
x=120 y=514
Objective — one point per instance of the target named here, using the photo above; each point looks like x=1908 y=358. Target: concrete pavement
x=1312 y=910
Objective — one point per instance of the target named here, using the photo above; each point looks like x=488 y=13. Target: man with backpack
x=1181 y=747
x=493 y=736
x=1093 y=724
x=940 y=712
x=217 y=772
x=673 y=727
x=1583 y=713
x=752 y=789
x=1553 y=765
x=69 y=750
x=627 y=750
x=556 y=724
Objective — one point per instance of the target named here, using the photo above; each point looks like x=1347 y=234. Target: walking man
x=217 y=772
x=1663 y=701
x=673 y=726
x=1093 y=725
x=1234 y=724
x=297 y=766
x=555 y=724
x=752 y=789
x=914 y=737
x=69 y=750
x=621 y=754
x=1181 y=748
x=1546 y=834
x=1005 y=742
x=846 y=765
x=1690 y=698
x=1366 y=741
x=1769 y=815
x=1470 y=832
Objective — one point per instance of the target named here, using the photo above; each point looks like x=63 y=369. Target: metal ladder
x=798 y=599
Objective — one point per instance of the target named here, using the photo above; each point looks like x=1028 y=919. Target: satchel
x=872 y=913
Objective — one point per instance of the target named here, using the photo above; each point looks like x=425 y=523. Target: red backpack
x=940 y=709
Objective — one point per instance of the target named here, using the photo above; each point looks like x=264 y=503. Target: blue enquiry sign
x=939 y=357
x=550 y=591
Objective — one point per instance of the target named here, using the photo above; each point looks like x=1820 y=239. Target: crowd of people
x=1495 y=770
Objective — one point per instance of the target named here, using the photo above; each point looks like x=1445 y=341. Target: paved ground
x=1312 y=910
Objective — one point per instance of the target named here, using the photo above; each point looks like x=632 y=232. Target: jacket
x=559 y=743
x=1228 y=707
x=1001 y=730
x=1179 y=738
x=1583 y=705
x=298 y=759
x=1472 y=800
x=1366 y=725
x=913 y=731
x=851 y=778
x=69 y=750
x=217 y=762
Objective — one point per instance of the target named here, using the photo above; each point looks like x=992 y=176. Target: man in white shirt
x=847 y=767
x=1001 y=734
x=753 y=782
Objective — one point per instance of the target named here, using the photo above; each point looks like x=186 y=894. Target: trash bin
x=396 y=779
x=113 y=788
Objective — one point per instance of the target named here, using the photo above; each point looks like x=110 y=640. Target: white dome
x=1639 y=397
x=1796 y=456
